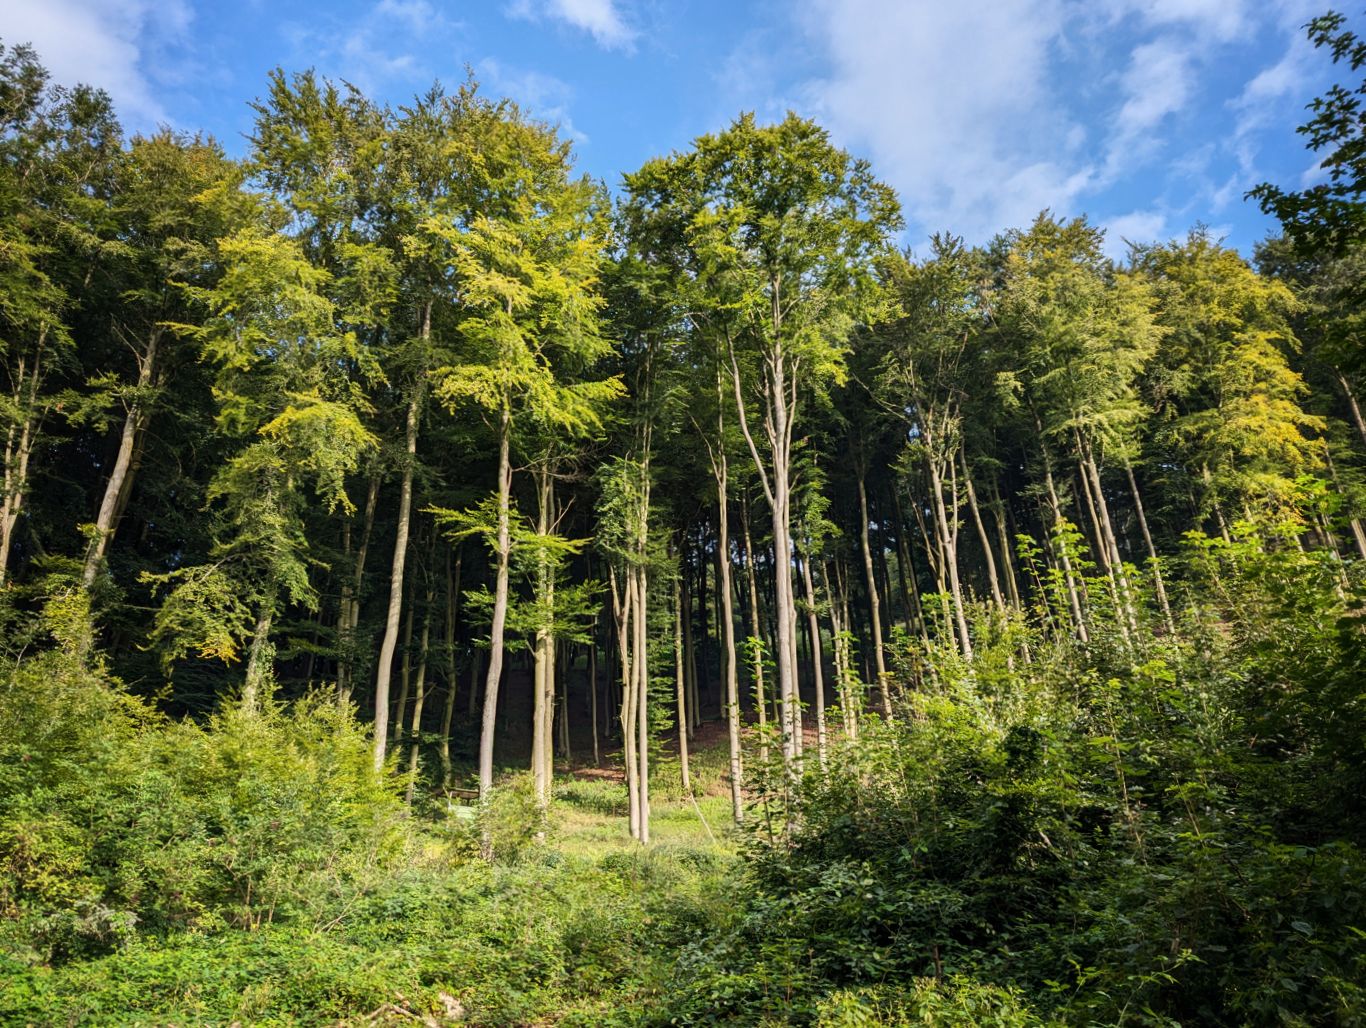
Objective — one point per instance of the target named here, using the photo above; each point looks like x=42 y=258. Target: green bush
x=115 y=820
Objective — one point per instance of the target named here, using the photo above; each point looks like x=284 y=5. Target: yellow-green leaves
x=1227 y=398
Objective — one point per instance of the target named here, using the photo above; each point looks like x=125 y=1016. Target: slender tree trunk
x=543 y=675
x=1064 y=559
x=1107 y=531
x=1103 y=554
x=452 y=677
x=851 y=706
x=593 y=693
x=947 y=529
x=813 y=626
x=17 y=457
x=728 y=658
x=1353 y=521
x=988 y=556
x=681 y=687
x=1159 y=586
x=419 y=693
x=349 y=618
x=566 y=662
x=910 y=592
x=502 y=555
x=874 y=605
x=780 y=398
x=134 y=423
x=1352 y=405
x=698 y=664
x=756 y=634
x=391 y=623
x=642 y=669
x=1003 y=539
x=405 y=674
x=260 y=658
x=623 y=608
x=687 y=656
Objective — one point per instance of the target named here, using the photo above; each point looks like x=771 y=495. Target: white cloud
x=377 y=49
x=544 y=96
x=1158 y=82
x=417 y=15
x=1134 y=227
x=115 y=45
x=954 y=108
x=599 y=18
x=1222 y=19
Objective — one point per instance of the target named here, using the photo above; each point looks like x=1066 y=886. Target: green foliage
x=116 y=820
x=1167 y=836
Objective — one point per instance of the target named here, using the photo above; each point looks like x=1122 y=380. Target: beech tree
x=272 y=335
x=174 y=197
x=527 y=272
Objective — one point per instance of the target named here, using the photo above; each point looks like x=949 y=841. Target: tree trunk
x=874 y=606
x=850 y=705
x=1352 y=405
x=688 y=655
x=728 y=659
x=681 y=687
x=17 y=456
x=988 y=556
x=503 y=554
x=623 y=607
x=419 y=692
x=910 y=590
x=1358 y=535
x=813 y=626
x=947 y=530
x=543 y=674
x=642 y=669
x=698 y=642
x=134 y=423
x=593 y=693
x=1158 y=586
x=260 y=658
x=756 y=634
x=405 y=675
x=391 y=623
x=1064 y=559
x=452 y=676
x=349 y=617
x=1003 y=539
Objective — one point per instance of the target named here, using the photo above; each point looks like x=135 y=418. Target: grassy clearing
x=582 y=928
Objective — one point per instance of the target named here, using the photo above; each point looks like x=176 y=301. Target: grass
x=583 y=928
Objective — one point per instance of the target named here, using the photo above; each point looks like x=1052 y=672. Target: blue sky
x=1146 y=115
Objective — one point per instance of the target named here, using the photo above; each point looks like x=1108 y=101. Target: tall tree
x=786 y=227
x=527 y=273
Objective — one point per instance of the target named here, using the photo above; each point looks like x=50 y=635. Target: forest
x=438 y=588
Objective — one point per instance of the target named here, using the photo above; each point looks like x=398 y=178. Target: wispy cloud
x=955 y=108
x=1158 y=82
x=388 y=44
x=116 y=45
x=1220 y=20
x=599 y=18
x=544 y=96
x=983 y=113
x=1135 y=227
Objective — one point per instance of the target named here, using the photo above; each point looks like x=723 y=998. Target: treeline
x=399 y=405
